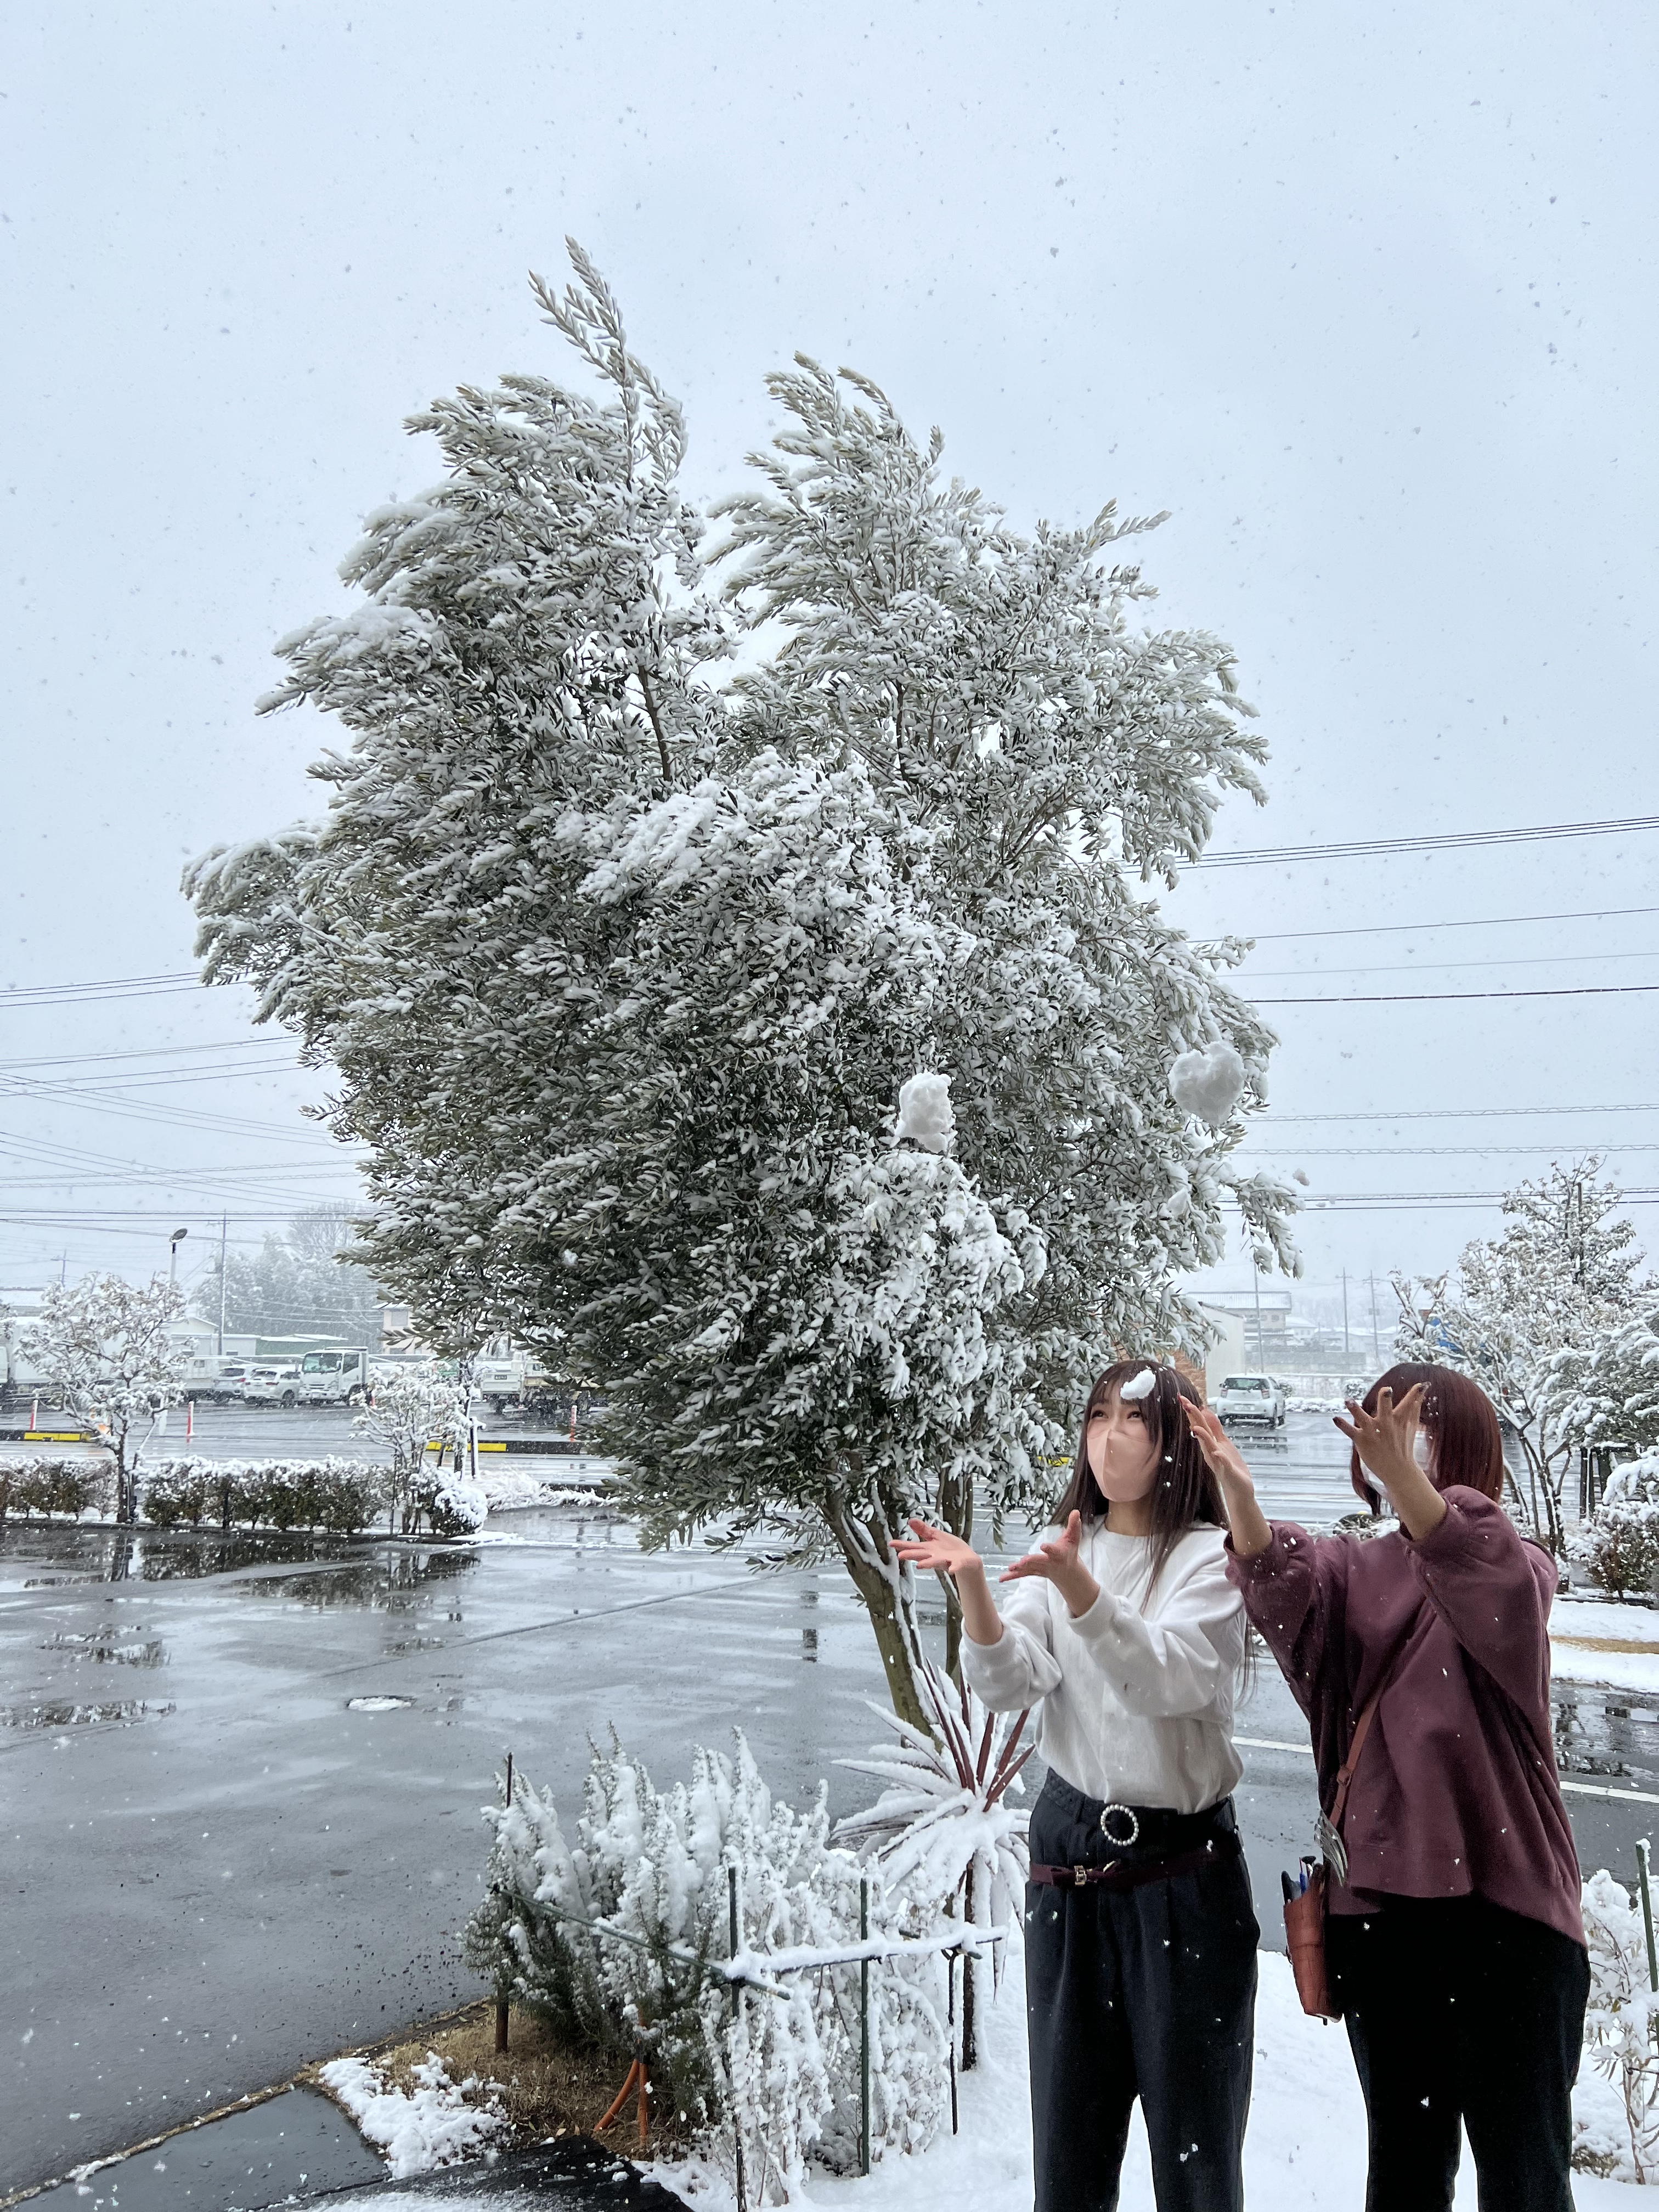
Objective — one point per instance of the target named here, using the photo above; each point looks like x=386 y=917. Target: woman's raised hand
x=1383 y=1440
x=937 y=1550
x=1060 y=1561
x=1246 y=1523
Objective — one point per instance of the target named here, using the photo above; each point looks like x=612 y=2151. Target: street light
x=174 y=1241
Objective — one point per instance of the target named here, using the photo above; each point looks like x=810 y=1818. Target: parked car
x=1251 y=1398
x=264 y=1384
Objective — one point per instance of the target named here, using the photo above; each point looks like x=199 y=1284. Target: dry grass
x=545 y=2087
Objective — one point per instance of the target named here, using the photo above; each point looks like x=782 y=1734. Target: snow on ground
x=1305 y=2146
x=511 y=1488
x=1599 y=1640
x=415 y=2135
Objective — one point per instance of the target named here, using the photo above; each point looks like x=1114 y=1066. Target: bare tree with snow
x=103 y=1351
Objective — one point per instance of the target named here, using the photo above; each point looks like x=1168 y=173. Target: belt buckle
x=1079 y=1877
x=1122 y=1843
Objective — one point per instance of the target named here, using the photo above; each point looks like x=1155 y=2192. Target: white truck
x=333 y=1378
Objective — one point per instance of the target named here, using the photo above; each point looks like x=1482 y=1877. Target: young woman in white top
x=1140 y=1938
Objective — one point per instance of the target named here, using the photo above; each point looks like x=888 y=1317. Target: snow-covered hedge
x=69 y=1486
x=340 y=1496
x=1621 y=1544
x=651 y=1869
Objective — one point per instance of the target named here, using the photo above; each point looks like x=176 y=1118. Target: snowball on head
x=925 y=1115
x=1208 y=1082
x=1137 y=1387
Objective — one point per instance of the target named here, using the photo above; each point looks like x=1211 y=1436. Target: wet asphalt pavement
x=219 y=1865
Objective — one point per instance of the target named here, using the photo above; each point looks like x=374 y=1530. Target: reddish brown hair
x=1468 y=1444
x=1186 y=1494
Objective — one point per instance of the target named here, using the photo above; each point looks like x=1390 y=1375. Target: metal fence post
x=500 y=2002
x=737 y=1992
x=1642 y=1856
x=950 y=2028
x=864 y=2028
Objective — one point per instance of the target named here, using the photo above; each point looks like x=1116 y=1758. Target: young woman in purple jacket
x=1455 y=1944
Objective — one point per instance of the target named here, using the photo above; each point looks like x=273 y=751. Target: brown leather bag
x=1304 y=1914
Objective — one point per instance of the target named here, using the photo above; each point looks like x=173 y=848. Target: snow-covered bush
x=612 y=1936
x=339 y=1495
x=1622 y=1544
x=1620 y=2019
x=943 y=1824
x=406 y=1412
x=67 y=1486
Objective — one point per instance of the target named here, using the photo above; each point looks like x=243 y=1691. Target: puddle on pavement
x=388 y=1581
x=111 y=1646
x=1604 y=1737
x=60 y=1713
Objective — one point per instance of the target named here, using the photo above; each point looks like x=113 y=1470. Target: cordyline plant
x=943 y=1824
x=657 y=861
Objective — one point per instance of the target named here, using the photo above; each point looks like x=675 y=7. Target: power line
x=150 y=1052
x=1430 y=1151
x=1442 y=967
x=1450 y=1114
x=115 y=987
x=1440 y=998
x=1451 y=840
x=1489 y=921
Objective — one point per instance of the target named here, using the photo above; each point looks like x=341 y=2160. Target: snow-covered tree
x=297 y=1281
x=1622 y=1541
x=406 y=1412
x=623 y=958
x=1561 y=1280
x=1607 y=1391
x=104 y=1354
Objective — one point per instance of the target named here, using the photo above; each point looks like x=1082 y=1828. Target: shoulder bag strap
x=1362 y=1729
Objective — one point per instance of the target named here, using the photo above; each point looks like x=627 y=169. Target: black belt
x=1148 y=1830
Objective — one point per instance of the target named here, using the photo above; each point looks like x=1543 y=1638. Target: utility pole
x=1377 y=1340
x=224 y=1232
x=1255 y=1284
x=1346 y=1353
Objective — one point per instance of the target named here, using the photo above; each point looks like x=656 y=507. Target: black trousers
x=1148 y=1992
x=1462 y=2013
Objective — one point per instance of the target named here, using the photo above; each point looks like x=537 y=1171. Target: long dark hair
x=1462 y=1423
x=1186 y=1495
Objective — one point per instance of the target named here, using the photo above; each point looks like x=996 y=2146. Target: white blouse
x=1136 y=1708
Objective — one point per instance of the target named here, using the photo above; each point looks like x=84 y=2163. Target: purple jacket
x=1455 y=1793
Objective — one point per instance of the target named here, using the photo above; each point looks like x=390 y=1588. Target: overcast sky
x=1365 y=296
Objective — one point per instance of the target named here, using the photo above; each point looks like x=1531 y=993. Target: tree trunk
x=888 y=1593
x=126 y=1487
x=955 y=1511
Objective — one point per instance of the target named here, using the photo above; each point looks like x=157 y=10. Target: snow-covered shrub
x=614 y=1938
x=69 y=1486
x=405 y=1412
x=1621 y=1546
x=1620 y=2020
x=945 y=1826
x=339 y=1495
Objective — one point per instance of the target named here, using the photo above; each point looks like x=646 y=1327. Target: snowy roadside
x=1599 y=1640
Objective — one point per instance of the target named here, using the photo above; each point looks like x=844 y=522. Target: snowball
x=1137 y=1387
x=925 y=1115
x=1208 y=1082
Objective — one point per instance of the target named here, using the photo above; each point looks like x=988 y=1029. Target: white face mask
x=1421 y=1452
